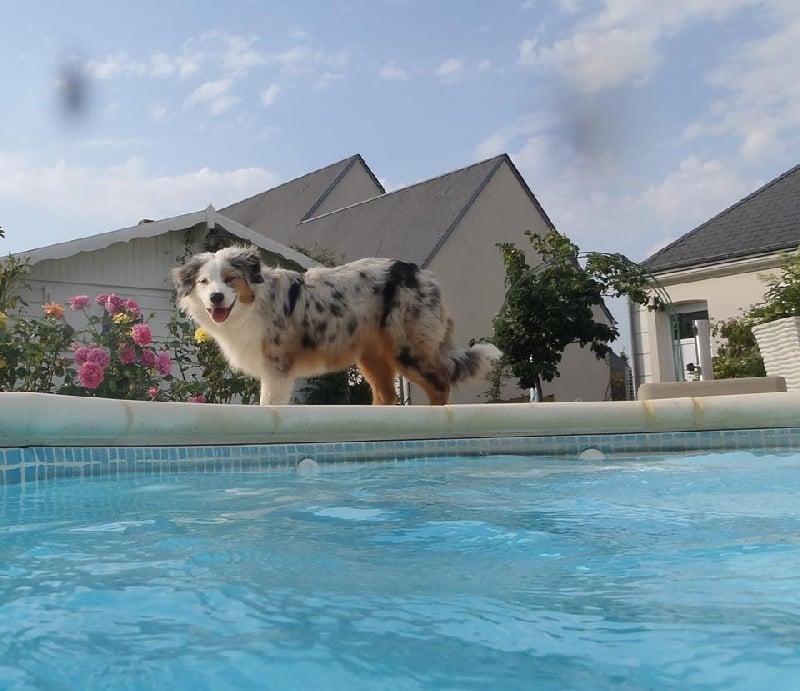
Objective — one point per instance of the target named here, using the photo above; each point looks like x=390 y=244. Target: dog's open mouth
x=220 y=314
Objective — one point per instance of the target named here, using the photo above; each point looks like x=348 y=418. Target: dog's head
x=220 y=280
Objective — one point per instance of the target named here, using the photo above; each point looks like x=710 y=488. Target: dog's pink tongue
x=220 y=314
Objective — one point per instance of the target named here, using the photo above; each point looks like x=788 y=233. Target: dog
x=386 y=316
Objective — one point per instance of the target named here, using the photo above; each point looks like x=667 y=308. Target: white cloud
x=120 y=195
x=115 y=65
x=695 y=192
x=761 y=95
x=493 y=145
x=156 y=111
x=185 y=65
x=391 y=71
x=303 y=60
x=595 y=61
x=619 y=45
x=239 y=55
x=232 y=54
x=213 y=95
x=569 y=6
x=269 y=94
x=450 y=69
x=527 y=54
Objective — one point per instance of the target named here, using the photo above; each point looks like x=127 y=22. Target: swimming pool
x=489 y=572
x=405 y=555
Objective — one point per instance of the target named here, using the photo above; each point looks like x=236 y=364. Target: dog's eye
x=204 y=281
x=228 y=280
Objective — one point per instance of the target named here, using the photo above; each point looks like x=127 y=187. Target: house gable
x=276 y=212
x=409 y=224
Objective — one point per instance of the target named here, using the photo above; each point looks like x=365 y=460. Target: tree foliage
x=549 y=306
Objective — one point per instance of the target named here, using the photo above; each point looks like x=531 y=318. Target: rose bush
x=109 y=356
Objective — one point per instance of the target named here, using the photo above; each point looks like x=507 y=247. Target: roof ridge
x=344 y=171
x=349 y=161
x=729 y=209
x=426 y=181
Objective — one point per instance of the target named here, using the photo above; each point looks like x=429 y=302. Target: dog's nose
x=216 y=298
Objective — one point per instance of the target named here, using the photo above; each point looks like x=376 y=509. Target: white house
x=712 y=274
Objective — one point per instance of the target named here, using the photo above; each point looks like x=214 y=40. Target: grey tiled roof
x=408 y=224
x=766 y=221
x=276 y=212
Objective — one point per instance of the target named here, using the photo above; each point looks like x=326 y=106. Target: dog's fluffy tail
x=472 y=363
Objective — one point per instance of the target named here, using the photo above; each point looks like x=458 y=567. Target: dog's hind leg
x=435 y=386
x=379 y=373
x=429 y=373
x=276 y=390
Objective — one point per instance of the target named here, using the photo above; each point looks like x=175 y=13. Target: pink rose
x=197 y=399
x=81 y=353
x=113 y=304
x=163 y=363
x=99 y=356
x=141 y=334
x=127 y=354
x=133 y=308
x=148 y=358
x=79 y=302
x=152 y=391
x=91 y=375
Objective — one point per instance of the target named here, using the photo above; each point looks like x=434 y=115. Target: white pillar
x=702 y=344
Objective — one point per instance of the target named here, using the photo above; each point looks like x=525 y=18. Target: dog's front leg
x=276 y=390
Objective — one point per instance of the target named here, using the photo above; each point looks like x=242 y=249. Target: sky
x=632 y=121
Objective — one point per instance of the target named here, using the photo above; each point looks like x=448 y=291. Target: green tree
x=551 y=305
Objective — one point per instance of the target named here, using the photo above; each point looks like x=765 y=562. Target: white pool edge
x=32 y=419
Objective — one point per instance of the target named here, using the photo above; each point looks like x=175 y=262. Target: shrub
x=111 y=355
x=738 y=354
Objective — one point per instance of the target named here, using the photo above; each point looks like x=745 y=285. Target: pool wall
x=44 y=436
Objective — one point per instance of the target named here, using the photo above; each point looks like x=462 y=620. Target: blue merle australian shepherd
x=386 y=316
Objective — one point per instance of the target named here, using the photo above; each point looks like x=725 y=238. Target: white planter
x=779 y=343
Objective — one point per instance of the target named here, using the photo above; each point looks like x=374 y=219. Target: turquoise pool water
x=502 y=572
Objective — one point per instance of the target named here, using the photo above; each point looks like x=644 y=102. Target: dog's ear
x=184 y=277
x=248 y=261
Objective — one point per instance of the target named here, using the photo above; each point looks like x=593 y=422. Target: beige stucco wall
x=727 y=289
x=471 y=271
